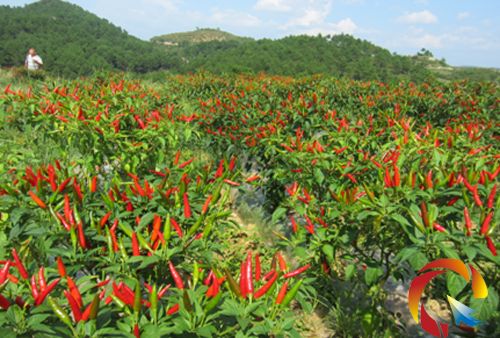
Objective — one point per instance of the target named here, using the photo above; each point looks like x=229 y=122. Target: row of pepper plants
x=120 y=222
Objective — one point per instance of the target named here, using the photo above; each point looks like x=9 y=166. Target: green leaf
x=278 y=213
x=372 y=274
x=349 y=271
x=455 y=283
x=486 y=307
x=406 y=253
x=328 y=250
x=318 y=175
x=148 y=261
x=418 y=260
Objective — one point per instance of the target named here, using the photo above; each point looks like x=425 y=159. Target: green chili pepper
x=167 y=229
x=208 y=226
x=137 y=298
x=59 y=312
x=153 y=299
x=196 y=273
x=187 y=301
x=233 y=286
x=291 y=294
x=213 y=302
x=195 y=226
x=94 y=307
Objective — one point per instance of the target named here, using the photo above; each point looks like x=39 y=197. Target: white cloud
x=423 y=17
x=272 y=5
x=168 y=5
x=346 y=26
x=463 y=15
x=315 y=13
x=426 y=41
x=234 y=18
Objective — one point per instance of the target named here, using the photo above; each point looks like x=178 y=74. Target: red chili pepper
x=73 y=288
x=258 y=270
x=34 y=287
x=491 y=245
x=234 y=184
x=243 y=281
x=45 y=292
x=397 y=179
x=438 y=227
x=294 y=224
x=453 y=201
x=185 y=164
x=297 y=272
x=135 y=245
x=268 y=275
x=220 y=169
x=424 y=214
x=253 y=178
x=37 y=200
x=52 y=179
x=187 y=208
x=113 y=240
x=41 y=278
x=281 y=262
x=232 y=163
x=310 y=225
x=77 y=189
x=486 y=223
x=162 y=291
x=77 y=313
x=387 y=178
x=176 y=227
x=4 y=302
x=176 y=276
x=468 y=223
x=12 y=278
x=265 y=288
x=248 y=273
x=137 y=332
x=126 y=297
x=4 y=272
x=282 y=293
x=19 y=264
x=428 y=180
x=213 y=289
x=173 y=309
x=375 y=163
x=206 y=205
x=477 y=199
x=93 y=184
x=105 y=219
x=177 y=157
x=156 y=228
x=81 y=236
x=68 y=213
x=139 y=189
x=491 y=197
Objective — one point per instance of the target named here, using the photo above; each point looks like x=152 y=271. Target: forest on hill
x=74 y=42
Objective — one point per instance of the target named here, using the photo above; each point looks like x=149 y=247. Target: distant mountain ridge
x=199 y=35
x=74 y=42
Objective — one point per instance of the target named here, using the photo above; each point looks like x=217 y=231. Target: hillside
x=339 y=55
x=75 y=42
x=197 y=36
x=72 y=41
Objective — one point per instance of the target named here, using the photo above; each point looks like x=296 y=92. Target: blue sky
x=464 y=32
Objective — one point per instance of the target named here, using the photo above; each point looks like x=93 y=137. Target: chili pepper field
x=242 y=206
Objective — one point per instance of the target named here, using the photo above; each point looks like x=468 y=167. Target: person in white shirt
x=33 y=61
